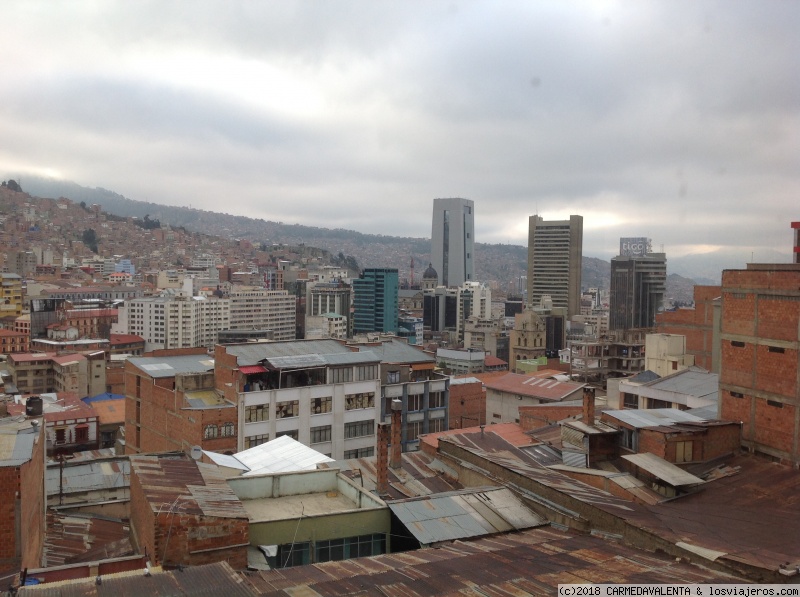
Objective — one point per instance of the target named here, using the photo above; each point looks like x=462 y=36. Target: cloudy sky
x=679 y=121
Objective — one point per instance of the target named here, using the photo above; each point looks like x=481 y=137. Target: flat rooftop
x=294 y=506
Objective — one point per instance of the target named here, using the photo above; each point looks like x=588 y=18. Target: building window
x=81 y=434
x=341 y=374
x=210 y=431
x=258 y=412
x=227 y=430
x=360 y=453
x=350 y=547
x=321 y=405
x=415 y=402
x=363 y=400
x=359 y=429
x=413 y=429
x=629 y=439
x=435 y=425
x=737 y=395
x=777 y=349
x=285 y=410
x=255 y=440
x=292 y=433
x=320 y=434
x=436 y=400
x=366 y=372
x=683 y=451
x=393 y=377
x=737 y=344
x=294 y=554
x=630 y=400
x=775 y=403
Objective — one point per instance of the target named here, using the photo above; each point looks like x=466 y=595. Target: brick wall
x=22 y=508
x=10 y=547
x=759 y=357
x=696 y=324
x=467 y=405
x=32 y=505
x=534 y=417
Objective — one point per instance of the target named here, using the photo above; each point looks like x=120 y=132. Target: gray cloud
x=678 y=121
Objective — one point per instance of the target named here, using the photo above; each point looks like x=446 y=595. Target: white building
x=453 y=240
x=179 y=321
x=261 y=309
x=318 y=392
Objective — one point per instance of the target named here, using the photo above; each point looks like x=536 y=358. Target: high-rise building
x=638 y=284
x=261 y=309
x=329 y=297
x=555 y=251
x=453 y=241
x=375 y=301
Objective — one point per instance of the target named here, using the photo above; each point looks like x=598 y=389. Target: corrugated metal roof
x=692 y=381
x=254 y=353
x=170 y=366
x=666 y=471
x=653 y=417
x=533 y=387
x=208 y=580
x=17 y=439
x=466 y=513
x=88 y=476
x=394 y=351
x=177 y=481
x=529 y=562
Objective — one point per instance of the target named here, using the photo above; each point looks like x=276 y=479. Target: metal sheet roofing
x=254 y=353
x=529 y=562
x=17 y=439
x=280 y=455
x=466 y=513
x=394 y=351
x=170 y=366
x=534 y=387
x=88 y=476
x=666 y=471
x=171 y=480
x=653 y=417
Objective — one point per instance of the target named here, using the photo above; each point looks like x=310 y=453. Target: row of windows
x=776 y=349
x=212 y=431
x=291 y=408
x=359 y=428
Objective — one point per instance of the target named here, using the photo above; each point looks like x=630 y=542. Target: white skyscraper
x=453 y=241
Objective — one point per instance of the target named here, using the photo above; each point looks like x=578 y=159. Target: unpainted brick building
x=760 y=337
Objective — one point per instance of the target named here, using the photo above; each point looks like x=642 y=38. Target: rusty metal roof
x=530 y=562
x=176 y=481
x=209 y=580
x=419 y=474
x=534 y=387
x=78 y=537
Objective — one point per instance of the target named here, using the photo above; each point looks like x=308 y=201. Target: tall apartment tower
x=453 y=241
x=638 y=284
x=555 y=252
x=375 y=301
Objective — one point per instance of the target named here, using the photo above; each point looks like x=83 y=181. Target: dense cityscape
x=221 y=414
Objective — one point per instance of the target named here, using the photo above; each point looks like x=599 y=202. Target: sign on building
x=634 y=246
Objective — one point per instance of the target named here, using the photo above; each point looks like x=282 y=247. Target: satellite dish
x=196 y=452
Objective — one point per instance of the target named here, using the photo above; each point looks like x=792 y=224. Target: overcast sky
x=679 y=121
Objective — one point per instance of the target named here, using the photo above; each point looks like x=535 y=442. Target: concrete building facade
x=319 y=392
x=555 y=252
x=453 y=240
x=638 y=284
x=260 y=309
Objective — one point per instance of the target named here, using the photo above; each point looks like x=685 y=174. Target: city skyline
x=671 y=121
